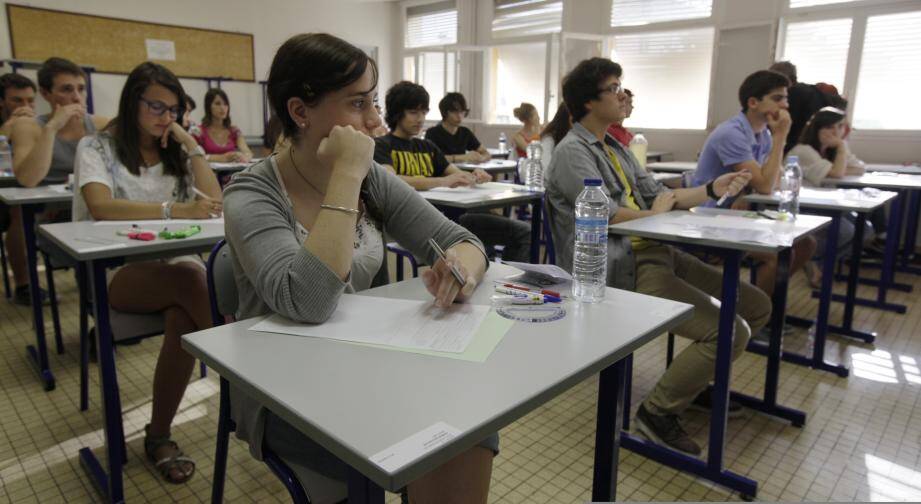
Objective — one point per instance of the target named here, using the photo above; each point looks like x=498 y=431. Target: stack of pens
x=517 y=294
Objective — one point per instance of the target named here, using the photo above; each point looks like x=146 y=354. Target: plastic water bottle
x=532 y=171
x=590 y=254
x=790 y=182
x=638 y=146
x=503 y=143
x=6 y=156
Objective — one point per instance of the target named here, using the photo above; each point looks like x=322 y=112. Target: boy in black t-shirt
x=421 y=164
x=457 y=142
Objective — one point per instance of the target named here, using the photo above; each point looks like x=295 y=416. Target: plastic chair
x=401 y=253
x=222 y=296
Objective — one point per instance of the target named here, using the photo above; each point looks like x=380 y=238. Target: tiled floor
x=861 y=441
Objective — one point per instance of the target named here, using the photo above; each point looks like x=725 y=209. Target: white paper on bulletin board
x=163 y=50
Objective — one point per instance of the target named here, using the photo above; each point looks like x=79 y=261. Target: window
x=890 y=74
x=795 y=4
x=431 y=25
x=434 y=69
x=819 y=50
x=409 y=68
x=641 y=12
x=670 y=74
x=526 y=17
x=516 y=74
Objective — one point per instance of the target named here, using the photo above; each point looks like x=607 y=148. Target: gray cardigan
x=580 y=155
x=275 y=274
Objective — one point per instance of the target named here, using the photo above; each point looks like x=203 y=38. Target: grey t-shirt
x=276 y=274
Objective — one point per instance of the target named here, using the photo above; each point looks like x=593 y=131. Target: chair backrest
x=222 y=287
x=550 y=252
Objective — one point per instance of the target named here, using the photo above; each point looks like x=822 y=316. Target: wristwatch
x=710 y=193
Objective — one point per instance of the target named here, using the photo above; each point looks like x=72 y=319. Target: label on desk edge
x=396 y=456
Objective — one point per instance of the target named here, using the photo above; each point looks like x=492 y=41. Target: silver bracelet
x=340 y=209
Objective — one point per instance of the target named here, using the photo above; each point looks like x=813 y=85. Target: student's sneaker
x=704 y=402
x=666 y=430
x=23 y=297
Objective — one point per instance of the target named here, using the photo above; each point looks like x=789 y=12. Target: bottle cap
x=793 y=159
x=592 y=182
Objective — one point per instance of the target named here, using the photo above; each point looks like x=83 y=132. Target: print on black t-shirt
x=413 y=158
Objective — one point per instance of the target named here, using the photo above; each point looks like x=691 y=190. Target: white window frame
x=674 y=25
x=858 y=12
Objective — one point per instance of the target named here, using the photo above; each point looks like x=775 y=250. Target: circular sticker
x=542 y=313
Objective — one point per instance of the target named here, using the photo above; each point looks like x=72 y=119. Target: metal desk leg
x=712 y=469
x=817 y=360
x=363 y=490
x=850 y=301
x=911 y=232
x=607 y=431
x=536 y=212
x=774 y=351
x=38 y=354
x=110 y=485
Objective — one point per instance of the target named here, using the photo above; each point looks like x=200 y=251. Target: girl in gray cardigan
x=306 y=225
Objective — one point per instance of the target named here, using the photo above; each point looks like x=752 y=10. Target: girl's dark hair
x=403 y=96
x=824 y=118
x=582 y=84
x=310 y=65
x=126 y=132
x=209 y=99
x=559 y=126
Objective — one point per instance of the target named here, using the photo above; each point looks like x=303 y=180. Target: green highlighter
x=186 y=232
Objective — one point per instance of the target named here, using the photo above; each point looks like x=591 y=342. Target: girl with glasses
x=144 y=166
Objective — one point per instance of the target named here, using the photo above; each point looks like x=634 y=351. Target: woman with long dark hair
x=306 y=225
x=222 y=141
x=142 y=166
x=822 y=153
x=553 y=133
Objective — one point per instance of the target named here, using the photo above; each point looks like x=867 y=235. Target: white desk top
x=232 y=167
x=491 y=166
x=832 y=199
x=35 y=195
x=357 y=400
x=488 y=195
x=894 y=168
x=666 y=177
x=726 y=229
x=884 y=180
x=88 y=240
x=672 y=166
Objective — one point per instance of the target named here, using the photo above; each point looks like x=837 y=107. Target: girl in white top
x=137 y=169
x=822 y=149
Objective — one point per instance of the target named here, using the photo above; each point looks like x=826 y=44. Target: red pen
x=535 y=291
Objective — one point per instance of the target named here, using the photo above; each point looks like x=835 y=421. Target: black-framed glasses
x=159 y=108
x=614 y=89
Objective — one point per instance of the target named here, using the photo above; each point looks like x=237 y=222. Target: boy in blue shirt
x=753 y=141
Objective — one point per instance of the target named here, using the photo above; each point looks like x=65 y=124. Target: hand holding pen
x=447 y=278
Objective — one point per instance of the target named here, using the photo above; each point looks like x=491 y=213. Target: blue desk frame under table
x=712 y=469
x=109 y=483
x=37 y=354
x=454 y=214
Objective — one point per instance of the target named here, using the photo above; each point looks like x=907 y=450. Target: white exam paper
x=394 y=457
x=392 y=322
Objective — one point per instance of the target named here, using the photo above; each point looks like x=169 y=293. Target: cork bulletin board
x=118 y=45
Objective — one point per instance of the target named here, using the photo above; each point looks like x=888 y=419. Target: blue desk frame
x=712 y=469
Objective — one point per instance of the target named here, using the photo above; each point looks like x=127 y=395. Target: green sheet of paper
x=486 y=339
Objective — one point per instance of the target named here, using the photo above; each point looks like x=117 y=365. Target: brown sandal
x=166 y=465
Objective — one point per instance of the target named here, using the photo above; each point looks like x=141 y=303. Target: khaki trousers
x=666 y=272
